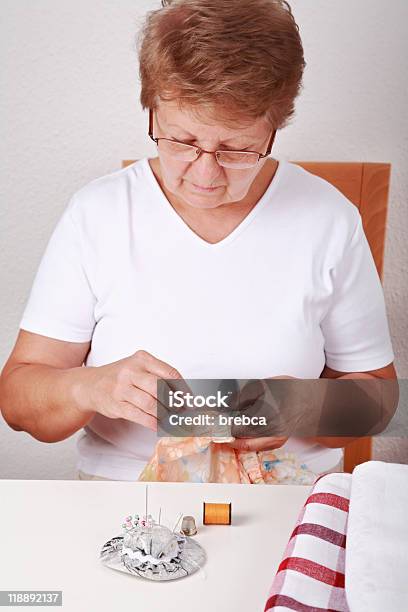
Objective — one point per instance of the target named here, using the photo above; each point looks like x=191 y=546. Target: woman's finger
x=145 y=381
x=141 y=399
x=130 y=412
x=155 y=366
x=152 y=370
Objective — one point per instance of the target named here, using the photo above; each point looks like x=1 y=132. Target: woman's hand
x=255 y=392
x=125 y=389
x=258 y=444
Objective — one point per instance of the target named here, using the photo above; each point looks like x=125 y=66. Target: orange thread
x=216 y=514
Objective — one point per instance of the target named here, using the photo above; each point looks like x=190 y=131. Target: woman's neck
x=215 y=224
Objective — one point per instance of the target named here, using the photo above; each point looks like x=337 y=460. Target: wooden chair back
x=366 y=185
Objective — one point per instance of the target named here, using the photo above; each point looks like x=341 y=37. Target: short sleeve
x=61 y=304
x=355 y=327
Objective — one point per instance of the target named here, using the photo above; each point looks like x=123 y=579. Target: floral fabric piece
x=207 y=459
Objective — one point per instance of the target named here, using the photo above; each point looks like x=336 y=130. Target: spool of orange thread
x=216 y=514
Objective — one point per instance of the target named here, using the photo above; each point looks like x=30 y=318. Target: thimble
x=188 y=526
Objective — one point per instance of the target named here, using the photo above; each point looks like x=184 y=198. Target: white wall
x=70 y=112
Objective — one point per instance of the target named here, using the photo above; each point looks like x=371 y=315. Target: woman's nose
x=206 y=169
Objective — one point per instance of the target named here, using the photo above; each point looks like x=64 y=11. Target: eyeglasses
x=236 y=160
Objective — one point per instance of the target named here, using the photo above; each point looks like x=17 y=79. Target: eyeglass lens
x=188 y=153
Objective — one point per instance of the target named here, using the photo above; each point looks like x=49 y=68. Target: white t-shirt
x=293 y=287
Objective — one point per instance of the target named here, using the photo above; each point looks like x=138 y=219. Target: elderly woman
x=211 y=260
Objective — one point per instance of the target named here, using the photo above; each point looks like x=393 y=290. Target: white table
x=51 y=533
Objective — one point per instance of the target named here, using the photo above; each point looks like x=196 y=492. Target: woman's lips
x=204 y=189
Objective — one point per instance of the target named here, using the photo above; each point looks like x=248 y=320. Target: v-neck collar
x=237 y=231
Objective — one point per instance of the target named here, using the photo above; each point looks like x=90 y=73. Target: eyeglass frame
x=200 y=150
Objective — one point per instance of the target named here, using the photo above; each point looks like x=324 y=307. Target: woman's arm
x=388 y=372
x=45 y=391
x=376 y=399
x=37 y=387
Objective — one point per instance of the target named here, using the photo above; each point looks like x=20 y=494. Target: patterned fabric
x=213 y=460
x=310 y=577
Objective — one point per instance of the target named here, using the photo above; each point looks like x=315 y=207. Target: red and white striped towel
x=310 y=577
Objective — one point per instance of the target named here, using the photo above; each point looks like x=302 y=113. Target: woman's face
x=203 y=183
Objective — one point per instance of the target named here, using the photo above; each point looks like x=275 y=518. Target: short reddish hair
x=240 y=59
